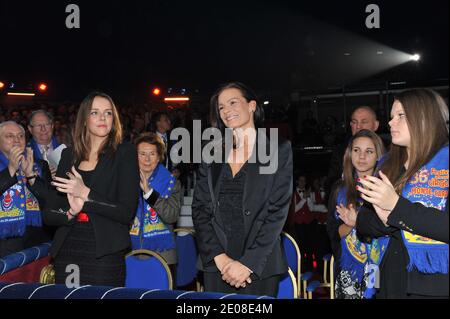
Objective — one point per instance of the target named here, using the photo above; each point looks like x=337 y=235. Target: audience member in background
x=98 y=184
x=42 y=141
x=20 y=214
x=415 y=264
x=363 y=117
x=159 y=204
x=161 y=125
x=352 y=254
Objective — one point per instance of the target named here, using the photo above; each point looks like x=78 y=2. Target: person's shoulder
x=126 y=147
x=67 y=152
x=126 y=150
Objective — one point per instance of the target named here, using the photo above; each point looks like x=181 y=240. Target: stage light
x=2 y=85
x=20 y=94
x=156 y=91
x=176 y=99
x=42 y=87
x=415 y=57
x=266 y=102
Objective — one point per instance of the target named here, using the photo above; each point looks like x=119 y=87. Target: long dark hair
x=348 y=169
x=247 y=93
x=427 y=120
x=81 y=140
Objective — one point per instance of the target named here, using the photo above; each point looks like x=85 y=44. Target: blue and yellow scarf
x=429 y=186
x=359 y=258
x=33 y=215
x=148 y=230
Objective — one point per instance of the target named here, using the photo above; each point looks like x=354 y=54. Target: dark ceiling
x=129 y=46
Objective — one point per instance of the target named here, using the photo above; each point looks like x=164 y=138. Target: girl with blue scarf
x=159 y=203
x=352 y=254
x=411 y=199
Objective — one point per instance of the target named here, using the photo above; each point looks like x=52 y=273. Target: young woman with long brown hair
x=415 y=264
x=98 y=188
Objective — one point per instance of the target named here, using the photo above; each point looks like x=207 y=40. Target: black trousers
x=266 y=287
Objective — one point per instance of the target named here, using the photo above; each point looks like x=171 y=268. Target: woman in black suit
x=239 y=209
x=98 y=184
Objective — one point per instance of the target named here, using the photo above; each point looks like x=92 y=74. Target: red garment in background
x=303 y=215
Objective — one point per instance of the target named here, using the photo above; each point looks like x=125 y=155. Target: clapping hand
x=380 y=193
x=348 y=215
x=143 y=182
x=73 y=186
x=28 y=162
x=15 y=157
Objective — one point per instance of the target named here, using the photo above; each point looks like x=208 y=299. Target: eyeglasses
x=11 y=136
x=42 y=126
x=149 y=154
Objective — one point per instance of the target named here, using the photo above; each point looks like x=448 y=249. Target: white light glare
x=266 y=102
x=415 y=57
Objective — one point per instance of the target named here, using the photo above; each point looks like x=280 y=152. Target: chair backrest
x=332 y=277
x=293 y=256
x=287 y=288
x=147 y=269
x=187 y=256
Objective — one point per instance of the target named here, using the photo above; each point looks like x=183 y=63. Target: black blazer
x=112 y=200
x=265 y=209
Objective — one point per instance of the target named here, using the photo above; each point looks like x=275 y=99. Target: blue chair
x=187 y=257
x=326 y=260
x=312 y=286
x=147 y=269
x=39 y=291
x=287 y=288
x=294 y=259
x=24 y=257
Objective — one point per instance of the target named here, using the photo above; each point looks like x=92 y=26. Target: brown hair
x=348 y=170
x=427 y=120
x=81 y=140
x=153 y=139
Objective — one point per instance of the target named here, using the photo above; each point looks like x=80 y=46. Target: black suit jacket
x=265 y=208
x=112 y=200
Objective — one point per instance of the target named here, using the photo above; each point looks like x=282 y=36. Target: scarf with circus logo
x=148 y=230
x=360 y=258
x=429 y=186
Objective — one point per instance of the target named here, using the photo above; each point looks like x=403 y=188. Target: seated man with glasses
x=42 y=142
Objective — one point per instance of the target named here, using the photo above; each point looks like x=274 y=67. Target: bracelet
x=68 y=212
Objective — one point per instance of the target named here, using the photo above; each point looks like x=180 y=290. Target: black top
x=112 y=201
x=230 y=208
x=87 y=176
x=266 y=198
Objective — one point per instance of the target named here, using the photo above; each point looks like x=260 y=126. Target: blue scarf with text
x=148 y=230
x=429 y=186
